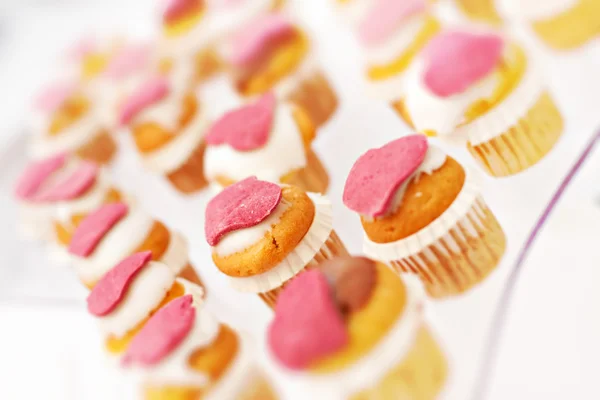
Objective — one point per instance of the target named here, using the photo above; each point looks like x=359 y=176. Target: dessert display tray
x=529 y=331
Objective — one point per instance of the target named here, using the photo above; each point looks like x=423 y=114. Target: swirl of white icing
x=283 y=153
x=535 y=10
x=145 y=293
x=372 y=367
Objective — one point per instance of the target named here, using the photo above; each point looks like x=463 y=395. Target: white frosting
x=536 y=10
x=145 y=293
x=122 y=240
x=176 y=255
x=373 y=367
x=241 y=374
x=226 y=20
x=388 y=52
x=442 y=114
x=284 y=152
x=174 y=369
x=413 y=244
x=503 y=116
x=313 y=242
x=241 y=239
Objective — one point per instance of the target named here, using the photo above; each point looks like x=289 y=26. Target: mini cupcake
x=168 y=126
x=187 y=35
x=129 y=294
x=262 y=235
x=115 y=231
x=272 y=54
x=183 y=352
x=481 y=90
x=267 y=139
x=480 y=10
x=423 y=213
x=391 y=34
x=35 y=216
x=353 y=330
x=70 y=120
x=561 y=24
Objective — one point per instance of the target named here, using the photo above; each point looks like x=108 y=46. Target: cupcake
x=129 y=294
x=34 y=215
x=477 y=88
x=70 y=120
x=187 y=35
x=391 y=33
x=262 y=235
x=272 y=54
x=480 y=10
x=183 y=352
x=168 y=126
x=561 y=24
x=422 y=213
x=353 y=330
x=115 y=231
x=267 y=139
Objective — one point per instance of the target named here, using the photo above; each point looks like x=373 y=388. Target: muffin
x=185 y=34
x=480 y=10
x=561 y=24
x=262 y=235
x=272 y=54
x=391 y=34
x=35 y=216
x=353 y=330
x=479 y=89
x=422 y=213
x=168 y=124
x=71 y=121
x=268 y=139
x=127 y=296
x=183 y=352
x=115 y=231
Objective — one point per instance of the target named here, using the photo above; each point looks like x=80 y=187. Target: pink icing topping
x=35 y=174
x=242 y=205
x=455 y=60
x=93 y=228
x=385 y=17
x=377 y=174
x=53 y=96
x=250 y=42
x=162 y=333
x=73 y=185
x=246 y=128
x=129 y=61
x=149 y=93
x=307 y=324
x=110 y=290
x=177 y=8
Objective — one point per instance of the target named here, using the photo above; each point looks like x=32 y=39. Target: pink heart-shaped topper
x=251 y=41
x=455 y=60
x=73 y=186
x=176 y=9
x=242 y=205
x=93 y=228
x=152 y=91
x=36 y=174
x=377 y=174
x=307 y=325
x=385 y=17
x=162 y=333
x=110 y=290
x=246 y=128
x=54 y=96
x=129 y=61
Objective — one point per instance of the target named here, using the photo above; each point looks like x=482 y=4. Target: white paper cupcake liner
x=373 y=367
x=503 y=116
x=296 y=260
x=417 y=242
